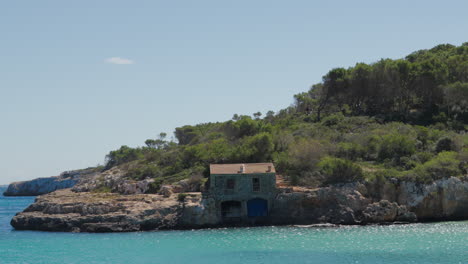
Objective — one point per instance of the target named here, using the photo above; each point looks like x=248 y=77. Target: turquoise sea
x=445 y=242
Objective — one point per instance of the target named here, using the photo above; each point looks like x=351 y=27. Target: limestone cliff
x=345 y=204
x=92 y=179
x=445 y=199
x=69 y=211
x=354 y=203
x=48 y=184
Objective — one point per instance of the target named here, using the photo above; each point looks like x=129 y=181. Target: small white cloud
x=119 y=60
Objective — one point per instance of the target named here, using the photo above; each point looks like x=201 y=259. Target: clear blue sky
x=80 y=78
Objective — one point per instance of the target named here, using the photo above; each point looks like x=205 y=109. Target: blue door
x=257 y=207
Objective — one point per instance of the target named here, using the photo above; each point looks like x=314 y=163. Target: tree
x=334 y=84
x=456 y=100
x=157 y=143
x=257 y=115
x=269 y=116
x=304 y=102
x=360 y=87
x=185 y=134
x=123 y=155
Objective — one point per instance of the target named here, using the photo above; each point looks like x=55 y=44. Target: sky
x=81 y=78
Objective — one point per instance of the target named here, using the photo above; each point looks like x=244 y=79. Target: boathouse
x=243 y=192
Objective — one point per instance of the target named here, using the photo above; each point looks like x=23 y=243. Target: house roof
x=239 y=168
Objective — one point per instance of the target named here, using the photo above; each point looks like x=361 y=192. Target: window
x=256 y=184
x=230 y=184
x=218 y=182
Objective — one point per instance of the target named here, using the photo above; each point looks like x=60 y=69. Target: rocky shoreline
x=46 y=185
x=348 y=204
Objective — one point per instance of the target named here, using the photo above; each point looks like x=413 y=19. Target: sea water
x=445 y=242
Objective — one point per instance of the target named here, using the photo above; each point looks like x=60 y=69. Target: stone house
x=243 y=192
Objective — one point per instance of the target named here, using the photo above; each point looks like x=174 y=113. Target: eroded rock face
x=442 y=199
x=134 y=187
x=110 y=179
x=336 y=204
x=385 y=211
x=65 y=210
x=69 y=211
x=48 y=184
x=166 y=190
x=116 y=181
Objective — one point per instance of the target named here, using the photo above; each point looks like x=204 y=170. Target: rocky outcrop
x=336 y=204
x=166 y=190
x=440 y=200
x=88 y=180
x=445 y=199
x=115 y=180
x=65 y=210
x=353 y=203
x=387 y=212
x=112 y=179
x=49 y=184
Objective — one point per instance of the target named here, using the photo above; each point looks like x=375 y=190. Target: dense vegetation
x=402 y=118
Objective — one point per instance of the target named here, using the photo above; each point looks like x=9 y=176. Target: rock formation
x=445 y=199
x=335 y=204
x=354 y=203
x=387 y=212
x=49 y=184
x=65 y=210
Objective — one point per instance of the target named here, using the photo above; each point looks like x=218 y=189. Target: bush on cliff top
x=445 y=164
x=336 y=170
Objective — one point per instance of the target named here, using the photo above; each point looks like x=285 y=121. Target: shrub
x=305 y=154
x=181 y=197
x=351 y=151
x=372 y=143
x=408 y=163
x=381 y=176
x=423 y=157
x=333 y=119
x=143 y=172
x=155 y=186
x=336 y=170
x=311 y=179
x=445 y=164
x=196 y=182
x=102 y=189
x=216 y=151
x=258 y=148
x=387 y=174
x=395 y=146
x=447 y=144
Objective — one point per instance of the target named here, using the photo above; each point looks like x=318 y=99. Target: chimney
x=269 y=168
x=242 y=169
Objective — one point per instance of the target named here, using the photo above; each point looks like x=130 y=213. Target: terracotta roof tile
x=237 y=168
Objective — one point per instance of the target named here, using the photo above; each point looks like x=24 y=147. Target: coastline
x=349 y=204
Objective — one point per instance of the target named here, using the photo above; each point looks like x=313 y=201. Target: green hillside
x=402 y=118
